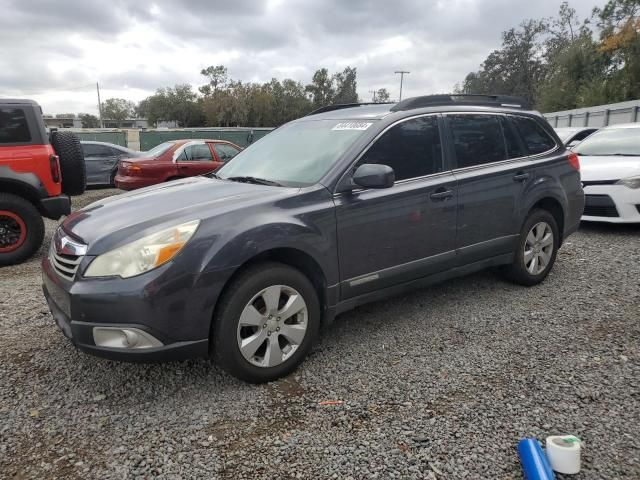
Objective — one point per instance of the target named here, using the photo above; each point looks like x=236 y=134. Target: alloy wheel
x=272 y=326
x=13 y=231
x=538 y=248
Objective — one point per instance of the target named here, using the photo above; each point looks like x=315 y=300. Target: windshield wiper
x=625 y=154
x=259 y=181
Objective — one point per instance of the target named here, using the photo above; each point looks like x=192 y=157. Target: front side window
x=13 y=126
x=297 y=154
x=535 y=138
x=196 y=153
x=477 y=139
x=412 y=148
x=225 y=152
x=614 y=141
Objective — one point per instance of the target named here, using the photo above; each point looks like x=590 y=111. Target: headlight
x=631 y=182
x=143 y=255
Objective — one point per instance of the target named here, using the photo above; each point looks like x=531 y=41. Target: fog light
x=129 y=338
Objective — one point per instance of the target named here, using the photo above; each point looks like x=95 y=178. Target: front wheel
x=537 y=248
x=266 y=323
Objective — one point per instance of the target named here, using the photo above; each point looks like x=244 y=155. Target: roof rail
x=462 y=99
x=340 y=106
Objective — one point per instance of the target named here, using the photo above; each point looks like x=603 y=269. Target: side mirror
x=373 y=175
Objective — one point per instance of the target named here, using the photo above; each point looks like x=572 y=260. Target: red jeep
x=38 y=172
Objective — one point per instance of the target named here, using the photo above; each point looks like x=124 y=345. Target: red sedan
x=175 y=159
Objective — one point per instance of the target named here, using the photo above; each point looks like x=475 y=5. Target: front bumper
x=145 y=304
x=55 y=207
x=611 y=203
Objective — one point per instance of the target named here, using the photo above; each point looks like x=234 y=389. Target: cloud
x=54 y=52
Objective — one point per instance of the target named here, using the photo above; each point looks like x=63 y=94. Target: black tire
x=74 y=173
x=517 y=271
x=237 y=295
x=21 y=216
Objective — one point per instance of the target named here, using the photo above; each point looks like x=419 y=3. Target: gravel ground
x=441 y=383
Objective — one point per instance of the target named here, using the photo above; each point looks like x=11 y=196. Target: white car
x=572 y=136
x=610 y=170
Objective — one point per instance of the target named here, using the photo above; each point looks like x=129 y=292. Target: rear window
x=535 y=138
x=13 y=126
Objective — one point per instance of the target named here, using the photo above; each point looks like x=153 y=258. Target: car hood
x=601 y=168
x=124 y=218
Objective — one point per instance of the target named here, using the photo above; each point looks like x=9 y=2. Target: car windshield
x=159 y=149
x=296 y=154
x=615 y=141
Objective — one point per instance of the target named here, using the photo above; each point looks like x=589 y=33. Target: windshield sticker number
x=352 y=126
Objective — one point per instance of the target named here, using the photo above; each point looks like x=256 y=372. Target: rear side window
x=412 y=148
x=535 y=138
x=225 y=152
x=92 y=150
x=198 y=152
x=477 y=139
x=13 y=126
x=511 y=140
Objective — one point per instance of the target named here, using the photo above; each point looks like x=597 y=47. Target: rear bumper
x=55 y=207
x=133 y=183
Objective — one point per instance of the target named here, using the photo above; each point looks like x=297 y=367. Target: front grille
x=600 y=206
x=65 y=265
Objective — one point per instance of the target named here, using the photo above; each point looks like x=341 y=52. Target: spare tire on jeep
x=69 y=150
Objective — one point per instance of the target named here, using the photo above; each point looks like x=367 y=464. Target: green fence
x=117 y=137
x=239 y=136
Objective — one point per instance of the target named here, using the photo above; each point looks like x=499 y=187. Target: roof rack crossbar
x=507 y=101
x=340 y=106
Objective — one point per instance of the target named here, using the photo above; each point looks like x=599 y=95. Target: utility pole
x=99 y=105
x=401 y=72
x=374 y=95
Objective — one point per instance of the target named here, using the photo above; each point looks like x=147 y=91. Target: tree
x=345 y=89
x=117 y=109
x=321 y=88
x=179 y=104
x=382 y=95
x=89 y=121
x=217 y=77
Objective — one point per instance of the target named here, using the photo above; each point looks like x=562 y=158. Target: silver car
x=102 y=159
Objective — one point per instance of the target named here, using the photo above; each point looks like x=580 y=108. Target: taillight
x=54 y=163
x=574 y=161
x=129 y=168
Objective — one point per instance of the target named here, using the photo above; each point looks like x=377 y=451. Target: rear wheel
x=21 y=229
x=536 y=250
x=266 y=323
x=69 y=150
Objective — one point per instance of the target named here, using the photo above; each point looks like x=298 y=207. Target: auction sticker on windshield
x=352 y=126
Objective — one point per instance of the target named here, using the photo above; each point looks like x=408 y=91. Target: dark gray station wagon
x=344 y=206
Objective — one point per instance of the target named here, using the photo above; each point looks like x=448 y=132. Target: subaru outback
x=349 y=204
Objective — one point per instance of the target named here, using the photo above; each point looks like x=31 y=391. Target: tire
x=69 y=150
x=21 y=229
x=247 y=291
x=522 y=270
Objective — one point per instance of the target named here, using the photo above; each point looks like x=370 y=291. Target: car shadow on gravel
x=610 y=228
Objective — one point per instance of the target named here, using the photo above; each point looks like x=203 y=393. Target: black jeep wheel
x=69 y=150
x=21 y=229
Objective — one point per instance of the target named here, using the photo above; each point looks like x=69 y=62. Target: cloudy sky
x=55 y=51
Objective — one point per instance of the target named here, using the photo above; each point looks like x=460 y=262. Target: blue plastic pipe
x=534 y=462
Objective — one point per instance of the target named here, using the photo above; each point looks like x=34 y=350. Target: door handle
x=520 y=177
x=441 y=195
